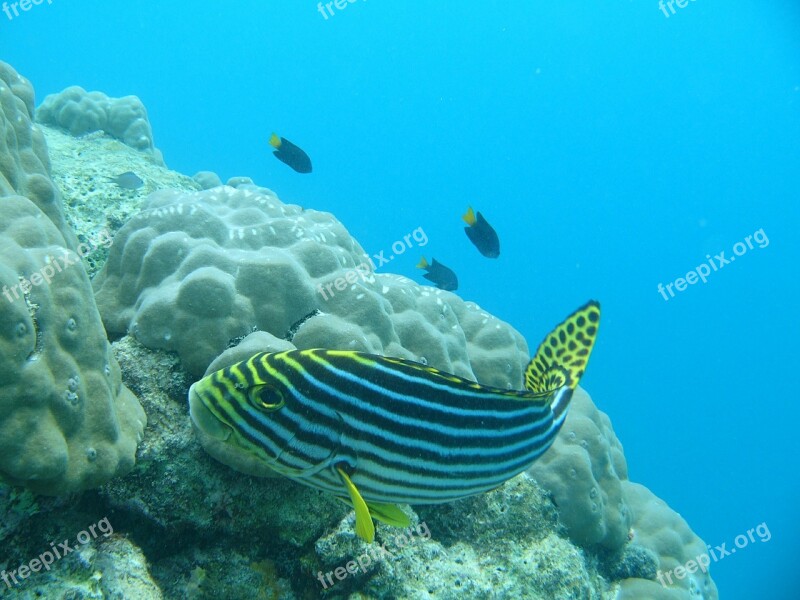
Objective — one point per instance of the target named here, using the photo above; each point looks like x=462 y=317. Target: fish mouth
x=205 y=420
x=218 y=439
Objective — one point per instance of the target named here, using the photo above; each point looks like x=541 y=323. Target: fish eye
x=265 y=397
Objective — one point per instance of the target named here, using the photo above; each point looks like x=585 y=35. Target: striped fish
x=379 y=431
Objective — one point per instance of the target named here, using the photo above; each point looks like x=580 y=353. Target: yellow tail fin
x=469 y=217
x=564 y=353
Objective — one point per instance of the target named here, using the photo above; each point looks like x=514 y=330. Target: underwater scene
x=373 y=300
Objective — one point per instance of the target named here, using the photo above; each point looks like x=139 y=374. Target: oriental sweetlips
x=379 y=431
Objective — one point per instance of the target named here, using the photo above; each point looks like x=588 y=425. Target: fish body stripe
x=324 y=399
x=401 y=431
x=378 y=407
x=411 y=450
x=322 y=405
x=429 y=388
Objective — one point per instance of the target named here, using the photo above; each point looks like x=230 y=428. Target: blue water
x=612 y=147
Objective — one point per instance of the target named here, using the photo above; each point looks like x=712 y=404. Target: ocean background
x=612 y=148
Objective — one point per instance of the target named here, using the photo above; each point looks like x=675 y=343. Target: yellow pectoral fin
x=389 y=514
x=365 y=528
x=275 y=141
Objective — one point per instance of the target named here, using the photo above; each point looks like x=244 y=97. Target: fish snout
x=202 y=417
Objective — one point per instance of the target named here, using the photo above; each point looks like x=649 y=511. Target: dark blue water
x=611 y=146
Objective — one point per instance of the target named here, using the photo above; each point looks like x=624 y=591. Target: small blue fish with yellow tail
x=378 y=431
x=442 y=277
x=290 y=154
x=481 y=234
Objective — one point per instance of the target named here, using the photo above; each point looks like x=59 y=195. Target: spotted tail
x=562 y=356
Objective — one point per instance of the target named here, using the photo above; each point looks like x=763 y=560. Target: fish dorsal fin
x=275 y=141
x=365 y=528
x=562 y=356
x=423 y=264
x=469 y=217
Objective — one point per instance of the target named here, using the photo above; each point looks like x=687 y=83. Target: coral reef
x=197 y=280
x=585 y=473
x=657 y=527
x=191 y=272
x=207 y=179
x=414 y=563
x=24 y=162
x=504 y=544
x=583 y=470
x=80 y=112
x=92 y=562
x=95 y=204
x=17 y=505
x=60 y=387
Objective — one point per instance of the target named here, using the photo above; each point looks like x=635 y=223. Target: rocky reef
x=200 y=275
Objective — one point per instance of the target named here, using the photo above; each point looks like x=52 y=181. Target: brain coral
x=586 y=475
x=658 y=527
x=66 y=421
x=80 y=112
x=583 y=470
x=194 y=271
x=24 y=163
